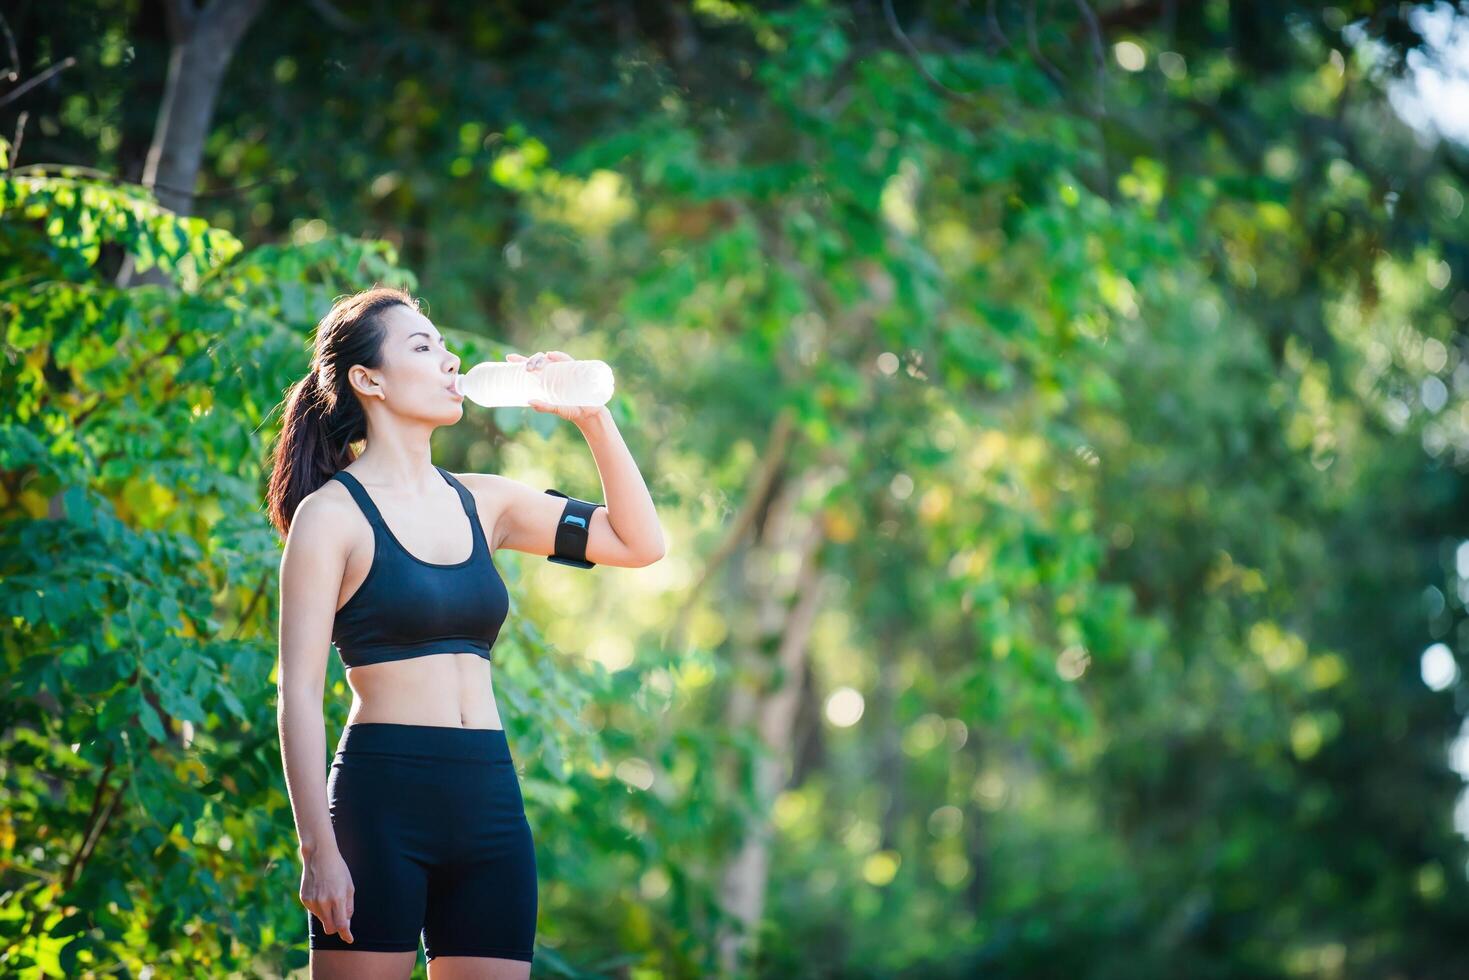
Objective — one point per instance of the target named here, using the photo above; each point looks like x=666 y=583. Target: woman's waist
x=423 y=741
x=452 y=690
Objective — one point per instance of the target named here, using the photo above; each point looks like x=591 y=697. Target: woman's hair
x=322 y=417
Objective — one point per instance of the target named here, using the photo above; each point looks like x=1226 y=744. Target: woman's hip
x=439 y=742
x=439 y=787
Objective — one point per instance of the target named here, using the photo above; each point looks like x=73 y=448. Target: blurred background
x=1056 y=410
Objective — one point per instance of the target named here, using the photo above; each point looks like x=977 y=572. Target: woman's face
x=417 y=370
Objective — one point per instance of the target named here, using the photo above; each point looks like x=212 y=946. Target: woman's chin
x=445 y=416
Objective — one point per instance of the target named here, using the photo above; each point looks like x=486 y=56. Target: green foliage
x=1134 y=438
x=144 y=799
x=145 y=806
x=139 y=584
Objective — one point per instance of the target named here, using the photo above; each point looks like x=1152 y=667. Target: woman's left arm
x=629 y=506
x=624 y=532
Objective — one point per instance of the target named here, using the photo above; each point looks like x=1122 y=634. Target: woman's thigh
x=379 y=830
x=333 y=964
x=483 y=902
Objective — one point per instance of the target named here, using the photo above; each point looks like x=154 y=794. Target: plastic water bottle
x=501 y=383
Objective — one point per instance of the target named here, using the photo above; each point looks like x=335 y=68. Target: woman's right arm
x=310 y=579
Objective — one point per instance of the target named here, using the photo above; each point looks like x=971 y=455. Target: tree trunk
x=889 y=742
x=809 y=738
x=204 y=41
x=768 y=695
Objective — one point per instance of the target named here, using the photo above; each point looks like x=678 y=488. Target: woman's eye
x=424 y=347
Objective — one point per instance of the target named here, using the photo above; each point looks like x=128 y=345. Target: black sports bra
x=407 y=607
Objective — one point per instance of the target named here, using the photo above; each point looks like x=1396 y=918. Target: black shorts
x=432 y=826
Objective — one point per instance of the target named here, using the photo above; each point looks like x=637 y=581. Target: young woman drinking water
x=420 y=827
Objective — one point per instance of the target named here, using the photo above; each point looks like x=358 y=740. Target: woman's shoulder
x=331 y=495
x=488 y=490
x=325 y=511
x=477 y=481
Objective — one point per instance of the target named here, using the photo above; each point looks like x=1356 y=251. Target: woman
x=420 y=827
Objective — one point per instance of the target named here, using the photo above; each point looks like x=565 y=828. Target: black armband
x=572 y=531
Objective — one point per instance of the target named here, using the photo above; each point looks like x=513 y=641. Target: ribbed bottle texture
x=505 y=383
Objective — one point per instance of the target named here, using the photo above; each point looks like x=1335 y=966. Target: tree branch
x=95 y=823
x=13 y=72
x=914 y=55
x=250 y=607
x=41 y=169
x=776 y=450
x=1035 y=48
x=992 y=24
x=20 y=135
x=334 y=17
x=61 y=65
x=1099 y=55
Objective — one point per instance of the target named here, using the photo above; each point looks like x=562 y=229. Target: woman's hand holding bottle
x=537 y=362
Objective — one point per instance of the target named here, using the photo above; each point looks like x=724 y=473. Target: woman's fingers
x=340 y=908
x=335 y=915
x=539 y=358
x=323 y=911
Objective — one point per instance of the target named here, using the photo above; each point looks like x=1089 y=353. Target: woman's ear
x=358 y=372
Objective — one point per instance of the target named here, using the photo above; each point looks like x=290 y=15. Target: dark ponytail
x=323 y=419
